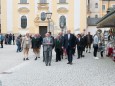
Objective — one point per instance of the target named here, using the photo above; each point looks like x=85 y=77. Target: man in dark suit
x=89 y=40
x=79 y=42
x=62 y=39
x=58 y=48
x=40 y=42
x=69 y=44
x=84 y=43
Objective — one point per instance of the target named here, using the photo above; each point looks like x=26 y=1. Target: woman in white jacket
x=95 y=46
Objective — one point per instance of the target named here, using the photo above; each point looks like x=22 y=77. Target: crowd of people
x=8 y=39
x=62 y=44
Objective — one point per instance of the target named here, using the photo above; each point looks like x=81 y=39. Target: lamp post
x=48 y=15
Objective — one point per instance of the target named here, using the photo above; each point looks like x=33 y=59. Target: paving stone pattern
x=84 y=72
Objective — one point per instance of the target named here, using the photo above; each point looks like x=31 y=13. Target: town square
x=57 y=42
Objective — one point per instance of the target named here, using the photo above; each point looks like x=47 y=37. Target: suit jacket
x=35 y=43
x=69 y=42
x=53 y=41
x=41 y=40
x=80 y=43
x=90 y=38
x=58 y=44
x=47 y=46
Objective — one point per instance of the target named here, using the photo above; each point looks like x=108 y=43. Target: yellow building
x=96 y=9
x=105 y=4
x=22 y=16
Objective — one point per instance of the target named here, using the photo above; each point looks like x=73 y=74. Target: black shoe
x=78 y=58
x=89 y=52
x=86 y=51
x=46 y=64
x=56 y=61
x=82 y=56
x=71 y=63
x=68 y=63
x=36 y=58
x=24 y=59
x=27 y=59
x=49 y=64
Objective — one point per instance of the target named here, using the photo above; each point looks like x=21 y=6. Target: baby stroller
x=114 y=54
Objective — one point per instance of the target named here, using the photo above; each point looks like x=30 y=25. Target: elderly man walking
x=69 y=44
x=47 y=49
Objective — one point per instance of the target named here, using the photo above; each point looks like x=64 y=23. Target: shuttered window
x=43 y=1
x=23 y=22
x=23 y=1
x=62 y=1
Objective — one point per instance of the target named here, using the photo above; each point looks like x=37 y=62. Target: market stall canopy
x=108 y=20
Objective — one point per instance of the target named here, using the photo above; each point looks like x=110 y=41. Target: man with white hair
x=47 y=49
x=69 y=44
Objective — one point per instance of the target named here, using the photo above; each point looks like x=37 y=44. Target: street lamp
x=48 y=15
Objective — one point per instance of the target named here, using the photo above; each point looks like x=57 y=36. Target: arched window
x=62 y=22
x=62 y=1
x=23 y=22
x=96 y=5
x=23 y=1
x=43 y=16
x=43 y=1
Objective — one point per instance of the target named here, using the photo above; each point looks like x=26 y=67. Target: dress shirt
x=68 y=36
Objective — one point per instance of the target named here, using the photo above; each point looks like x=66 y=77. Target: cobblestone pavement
x=84 y=72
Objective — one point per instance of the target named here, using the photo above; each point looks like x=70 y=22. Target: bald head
x=68 y=31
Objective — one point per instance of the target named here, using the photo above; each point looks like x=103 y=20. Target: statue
x=43 y=16
x=62 y=22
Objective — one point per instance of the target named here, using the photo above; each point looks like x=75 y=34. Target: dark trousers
x=95 y=51
x=58 y=53
x=69 y=54
x=18 y=48
x=73 y=51
x=13 y=42
x=48 y=57
x=101 y=53
x=61 y=53
x=10 y=42
x=79 y=50
x=1 y=44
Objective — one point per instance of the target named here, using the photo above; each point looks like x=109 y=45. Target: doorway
x=42 y=30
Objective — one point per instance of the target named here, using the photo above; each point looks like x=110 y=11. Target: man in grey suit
x=47 y=49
